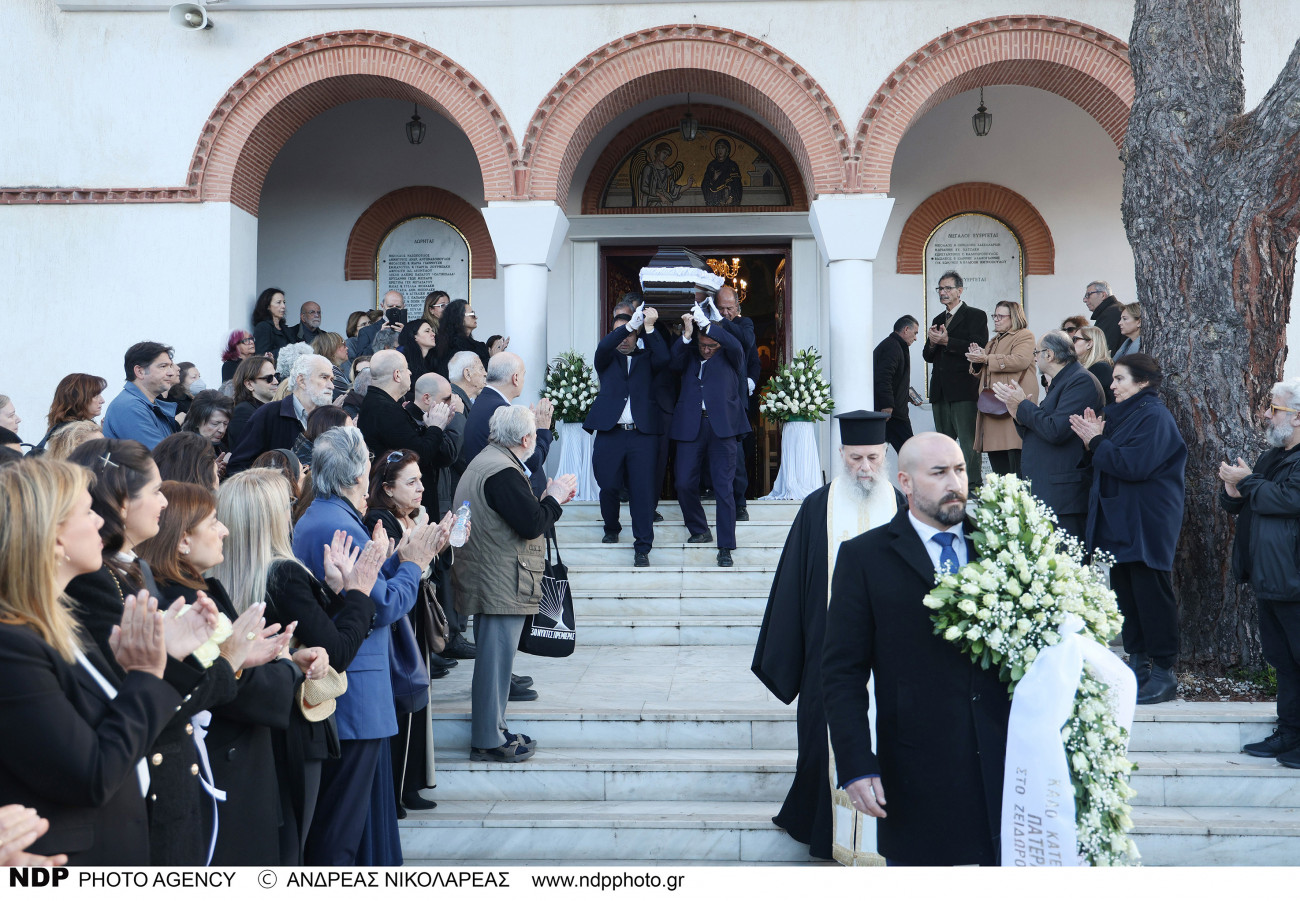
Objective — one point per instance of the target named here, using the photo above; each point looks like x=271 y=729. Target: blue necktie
x=947 y=556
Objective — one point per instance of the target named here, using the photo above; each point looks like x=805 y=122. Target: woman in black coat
x=1090 y=348
x=418 y=344
x=456 y=333
x=270 y=333
x=259 y=564
x=76 y=734
x=189 y=542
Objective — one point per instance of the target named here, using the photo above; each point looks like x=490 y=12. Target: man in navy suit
x=708 y=419
x=743 y=329
x=505 y=382
x=627 y=425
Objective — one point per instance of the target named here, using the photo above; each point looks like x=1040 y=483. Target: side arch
x=675 y=59
x=977 y=197
x=1070 y=59
x=395 y=206
x=272 y=100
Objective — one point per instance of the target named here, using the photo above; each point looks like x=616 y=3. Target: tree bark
x=1212 y=207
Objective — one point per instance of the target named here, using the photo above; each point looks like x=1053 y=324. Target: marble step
x=776 y=511
x=631 y=774
x=628 y=602
x=754 y=533
x=656 y=579
x=547 y=832
x=1212 y=779
x=668 y=553
x=1217 y=836
x=1201 y=725
x=670 y=630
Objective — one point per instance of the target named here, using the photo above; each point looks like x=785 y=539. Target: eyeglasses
x=1078 y=338
x=1001 y=316
x=1037 y=351
x=1090 y=293
x=1274 y=408
x=249 y=340
x=942 y=288
x=269 y=379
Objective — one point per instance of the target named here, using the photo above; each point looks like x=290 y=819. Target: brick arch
x=674 y=59
x=710 y=116
x=273 y=99
x=1082 y=64
x=1036 y=244
x=419 y=200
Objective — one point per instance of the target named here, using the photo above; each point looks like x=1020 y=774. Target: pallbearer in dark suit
x=627 y=425
x=707 y=420
x=742 y=327
x=941 y=720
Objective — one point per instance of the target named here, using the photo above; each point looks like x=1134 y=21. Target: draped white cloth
x=1038 y=816
x=801 y=469
x=576 y=447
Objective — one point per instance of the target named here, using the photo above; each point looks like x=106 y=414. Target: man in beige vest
x=497 y=575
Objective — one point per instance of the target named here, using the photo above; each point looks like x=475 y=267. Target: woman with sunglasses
x=1090 y=348
x=255 y=382
x=456 y=333
x=1009 y=357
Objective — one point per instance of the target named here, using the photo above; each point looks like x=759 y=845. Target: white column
x=848 y=228
x=527 y=237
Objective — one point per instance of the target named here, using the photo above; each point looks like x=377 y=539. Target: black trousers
x=744 y=445
x=1146 y=599
x=721 y=454
x=1279 y=633
x=662 y=452
x=343 y=804
x=627 y=457
x=1004 y=462
x=897 y=431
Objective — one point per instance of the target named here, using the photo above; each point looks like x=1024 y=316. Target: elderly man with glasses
x=1052 y=459
x=1105 y=312
x=1266 y=502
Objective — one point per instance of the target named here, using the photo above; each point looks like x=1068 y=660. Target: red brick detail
x=420 y=200
x=11 y=196
x=1085 y=66
x=674 y=59
x=273 y=99
x=710 y=116
x=1036 y=242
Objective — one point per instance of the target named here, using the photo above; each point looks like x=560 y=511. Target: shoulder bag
x=552 y=630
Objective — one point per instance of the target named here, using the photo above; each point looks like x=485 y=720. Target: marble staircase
x=657 y=745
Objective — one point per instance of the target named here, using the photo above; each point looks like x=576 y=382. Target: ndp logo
x=36 y=877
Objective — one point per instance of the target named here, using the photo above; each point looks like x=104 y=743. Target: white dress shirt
x=933 y=548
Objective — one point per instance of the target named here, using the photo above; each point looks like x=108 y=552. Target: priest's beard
x=865 y=489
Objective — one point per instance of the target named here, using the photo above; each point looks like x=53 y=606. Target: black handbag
x=408 y=668
x=552 y=630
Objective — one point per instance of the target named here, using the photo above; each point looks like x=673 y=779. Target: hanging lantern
x=982 y=121
x=415 y=128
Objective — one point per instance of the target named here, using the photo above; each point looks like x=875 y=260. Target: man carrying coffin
x=627 y=425
x=788 y=658
x=934 y=779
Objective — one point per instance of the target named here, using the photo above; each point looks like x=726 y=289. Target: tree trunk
x=1211 y=199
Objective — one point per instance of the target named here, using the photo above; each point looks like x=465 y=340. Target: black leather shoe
x=659 y=517
x=1282 y=741
x=521 y=681
x=610 y=538
x=459 y=648
x=416 y=801
x=401 y=812
x=437 y=672
x=641 y=559
x=522 y=694
x=705 y=537
x=439 y=660
x=724 y=556
x=1141 y=666
x=1290 y=759
x=1161 y=686
x=742 y=514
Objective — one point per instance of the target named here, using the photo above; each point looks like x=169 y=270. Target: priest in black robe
x=788 y=656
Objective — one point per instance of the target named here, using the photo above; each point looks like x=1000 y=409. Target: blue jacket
x=716 y=386
x=1053 y=460
x=365 y=710
x=1135 y=509
x=132 y=417
x=618 y=384
x=476 y=436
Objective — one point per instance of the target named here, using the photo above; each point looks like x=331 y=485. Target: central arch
x=1070 y=59
x=675 y=59
x=259 y=114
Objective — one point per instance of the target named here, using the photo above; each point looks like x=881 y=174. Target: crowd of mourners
x=221 y=609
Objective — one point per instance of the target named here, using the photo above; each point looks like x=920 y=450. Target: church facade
x=821 y=154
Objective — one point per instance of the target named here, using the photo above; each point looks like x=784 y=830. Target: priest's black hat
x=862 y=427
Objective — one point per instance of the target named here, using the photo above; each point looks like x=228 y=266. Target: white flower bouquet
x=571 y=386
x=798 y=391
x=1029 y=584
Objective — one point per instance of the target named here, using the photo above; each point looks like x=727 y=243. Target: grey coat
x=1053 y=459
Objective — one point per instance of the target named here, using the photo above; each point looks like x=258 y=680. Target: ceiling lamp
x=689 y=126
x=982 y=121
x=415 y=128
